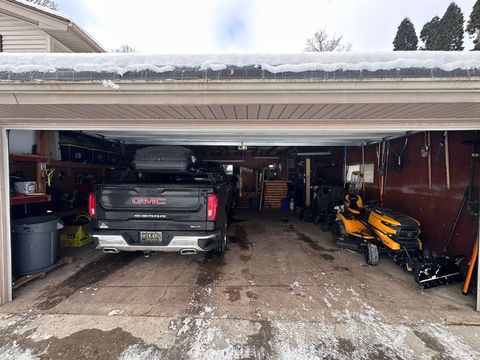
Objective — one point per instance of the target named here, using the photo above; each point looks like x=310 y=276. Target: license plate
x=151 y=236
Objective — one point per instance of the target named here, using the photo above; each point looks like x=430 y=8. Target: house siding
x=20 y=36
x=58 y=47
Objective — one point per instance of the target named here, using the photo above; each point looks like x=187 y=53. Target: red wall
x=332 y=175
x=407 y=188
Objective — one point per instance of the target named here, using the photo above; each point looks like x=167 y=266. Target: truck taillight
x=212 y=206
x=91 y=205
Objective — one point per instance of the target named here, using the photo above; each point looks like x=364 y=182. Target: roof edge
x=72 y=26
x=77 y=30
x=40 y=9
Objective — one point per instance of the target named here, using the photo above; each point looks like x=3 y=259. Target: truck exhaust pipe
x=188 y=252
x=110 y=251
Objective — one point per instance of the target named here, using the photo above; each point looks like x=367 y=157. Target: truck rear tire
x=221 y=248
x=371 y=254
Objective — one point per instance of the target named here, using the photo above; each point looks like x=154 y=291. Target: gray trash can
x=34 y=244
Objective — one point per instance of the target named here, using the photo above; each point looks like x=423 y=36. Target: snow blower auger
x=373 y=229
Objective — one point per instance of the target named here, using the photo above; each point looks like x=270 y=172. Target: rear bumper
x=188 y=244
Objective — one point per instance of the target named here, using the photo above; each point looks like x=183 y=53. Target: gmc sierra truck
x=167 y=202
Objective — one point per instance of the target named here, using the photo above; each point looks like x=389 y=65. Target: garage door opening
x=276 y=189
x=283 y=265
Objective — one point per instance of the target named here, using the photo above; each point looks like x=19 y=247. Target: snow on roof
x=121 y=64
x=41 y=8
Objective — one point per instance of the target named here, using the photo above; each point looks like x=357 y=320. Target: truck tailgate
x=166 y=203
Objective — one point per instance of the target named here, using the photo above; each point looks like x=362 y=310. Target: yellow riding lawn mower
x=372 y=230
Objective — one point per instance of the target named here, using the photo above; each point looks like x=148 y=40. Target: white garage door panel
x=272 y=137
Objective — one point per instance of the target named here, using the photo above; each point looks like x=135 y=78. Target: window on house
x=1 y=43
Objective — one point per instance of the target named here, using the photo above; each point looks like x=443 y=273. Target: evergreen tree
x=429 y=34
x=473 y=26
x=446 y=33
x=451 y=33
x=406 y=38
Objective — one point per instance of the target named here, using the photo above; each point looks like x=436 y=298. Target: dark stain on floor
x=245 y=271
x=86 y=276
x=328 y=257
x=432 y=343
x=251 y=295
x=379 y=353
x=346 y=346
x=210 y=269
x=233 y=293
x=240 y=237
x=236 y=221
x=261 y=342
x=342 y=268
x=88 y=344
x=313 y=244
x=245 y=258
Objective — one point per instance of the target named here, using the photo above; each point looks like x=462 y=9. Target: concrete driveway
x=283 y=291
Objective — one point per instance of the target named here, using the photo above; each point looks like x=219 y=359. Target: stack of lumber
x=274 y=192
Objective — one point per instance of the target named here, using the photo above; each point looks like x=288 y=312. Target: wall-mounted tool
x=400 y=154
x=471 y=266
x=382 y=165
x=441 y=148
x=447 y=161
x=425 y=152
x=468 y=191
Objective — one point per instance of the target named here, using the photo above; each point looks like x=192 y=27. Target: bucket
x=34 y=244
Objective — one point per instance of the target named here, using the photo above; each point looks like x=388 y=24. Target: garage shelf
x=28 y=158
x=75 y=165
x=29 y=199
x=35 y=166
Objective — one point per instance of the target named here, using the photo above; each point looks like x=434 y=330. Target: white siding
x=58 y=47
x=20 y=36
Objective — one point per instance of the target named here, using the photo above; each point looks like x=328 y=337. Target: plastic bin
x=286 y=205
x=34 y=244
x=76 y=233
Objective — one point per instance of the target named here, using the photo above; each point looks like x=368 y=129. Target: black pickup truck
x=168 y=202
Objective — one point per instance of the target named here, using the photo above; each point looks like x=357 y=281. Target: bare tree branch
x=46 y=3
x=322 y=42
x=125 y=48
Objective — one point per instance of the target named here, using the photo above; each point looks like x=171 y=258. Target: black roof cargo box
x=164 y=159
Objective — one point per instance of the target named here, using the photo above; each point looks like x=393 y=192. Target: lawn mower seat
x=354 y=203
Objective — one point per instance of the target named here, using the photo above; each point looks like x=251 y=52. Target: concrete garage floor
x=283 y=291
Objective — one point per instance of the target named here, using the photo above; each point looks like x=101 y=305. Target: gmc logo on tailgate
x=149 y=201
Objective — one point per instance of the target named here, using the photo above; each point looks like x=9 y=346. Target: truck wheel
x=222 y=246
x=371 y=254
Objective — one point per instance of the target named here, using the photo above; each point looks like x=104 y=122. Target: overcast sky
x=207 y=26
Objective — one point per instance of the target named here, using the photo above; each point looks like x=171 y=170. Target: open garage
x=285 y=129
